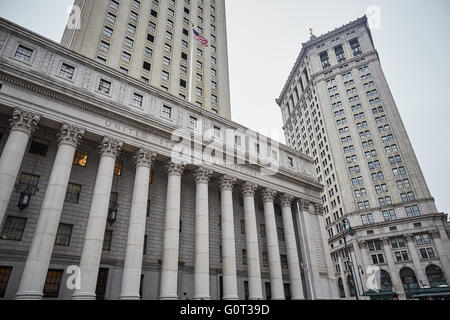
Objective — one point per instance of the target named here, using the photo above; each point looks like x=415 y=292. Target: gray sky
x=264 y=39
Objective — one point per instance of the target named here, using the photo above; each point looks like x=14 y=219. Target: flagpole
x=191 y=71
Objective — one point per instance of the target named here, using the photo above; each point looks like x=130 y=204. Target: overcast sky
x=264 y=39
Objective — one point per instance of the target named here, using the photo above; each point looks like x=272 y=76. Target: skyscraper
x=337 y=108
x=153 y=42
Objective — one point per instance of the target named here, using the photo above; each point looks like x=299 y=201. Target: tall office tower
x=153 y=41
x=337 y=107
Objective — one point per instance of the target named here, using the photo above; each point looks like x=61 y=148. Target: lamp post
x=344 y=223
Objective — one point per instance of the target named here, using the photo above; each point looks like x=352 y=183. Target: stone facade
x=116 y=145
x=337 y=107
x=157 y=30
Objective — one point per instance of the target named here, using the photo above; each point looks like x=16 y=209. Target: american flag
x=199 y=38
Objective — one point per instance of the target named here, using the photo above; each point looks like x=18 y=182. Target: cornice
x=306 y=45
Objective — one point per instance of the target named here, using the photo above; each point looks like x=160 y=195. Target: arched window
x=385 y=281
x=351 y=286
x=409 y=281
x=341 y=288
x=435 y=276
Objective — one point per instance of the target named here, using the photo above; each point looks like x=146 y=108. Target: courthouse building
x=337 y=108
x=101 y=196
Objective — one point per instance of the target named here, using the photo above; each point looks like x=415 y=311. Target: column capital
x=286 y=200
x=145 y=158
x=174 y=168
x=435 y=234
x=202 y=175
x=268 y=194
x=248 y=189
x=110 y=147
x=304 y=204
x=70 y=134
x=319 y=209
x=226 y=182
x=24 y=121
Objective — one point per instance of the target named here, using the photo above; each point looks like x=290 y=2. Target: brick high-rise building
x=337 y=108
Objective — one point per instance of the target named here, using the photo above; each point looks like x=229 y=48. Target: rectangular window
x=13 y=228
x=102 y=279
x=67 y=71
x=5 y=273
x=244 y=256
x=104 y=46
x=340 y=55
x=355 y=46
x=108 y=32
x=284 y=261
x=325 y=60
x=73 y=193
x=39 y=147
x=107 y=240
x=27 y=182
x=23 y=54
x=137 y=100
x=111 y=17
x=64 y=235
x=167 y=112
x=217 y=132
x=104 y=86
x=80 y=158
x=126 y=56
x=193 y=122
x=265 y=258
x=52 y=283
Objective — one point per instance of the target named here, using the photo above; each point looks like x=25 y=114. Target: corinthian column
x=98 y=215
x=38 y=261
x=201 y=281
x=273 y=250
x=230 y=291
x=23 y=124
x=295 y=277
x=251 y=235
x=136 y=230
x=169 y=273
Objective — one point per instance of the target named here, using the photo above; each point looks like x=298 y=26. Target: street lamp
x=112 y=213
x=344 y=223
x=24 y=199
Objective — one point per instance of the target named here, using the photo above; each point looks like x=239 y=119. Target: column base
x=255 y=298
x=84 y=296
x=298 y=298
x=130 y=296
x=168 y=297
x=29 y=295
x=278 y=298
x=230 y=298
x=201 y=298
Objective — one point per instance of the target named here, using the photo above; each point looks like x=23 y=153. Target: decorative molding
x=84 y=106
x=319 y=209
x=202 y=175
x=110 y=147
x=269 y=195
x=304 y=205
x=145 y=158
x=248 y=189
x=25 y=121
x=174 y=168
x=226 y=182
x=69 y=134
x=286 y=200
